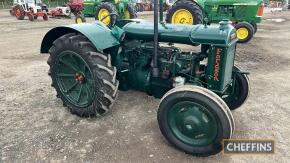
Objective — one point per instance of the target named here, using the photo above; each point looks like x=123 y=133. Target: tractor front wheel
x=195 y=120
x=19 y=12
x=84 y=78
x=184 y=12
x=245 y=32
x=240 y=91
x=45 y=17
x=30 y=16
x=80 y=19
x=103 y=11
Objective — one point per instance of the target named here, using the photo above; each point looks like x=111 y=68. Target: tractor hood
x=223 y=34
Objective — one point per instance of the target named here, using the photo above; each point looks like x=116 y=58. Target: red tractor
x=72 y=6
x=31 y=8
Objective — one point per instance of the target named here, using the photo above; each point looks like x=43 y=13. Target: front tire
x=241 y=90
x=83 y=78
x=184 y=12
x=80 y=19
x=130 y=12
x=195 y=120
x=245 y=32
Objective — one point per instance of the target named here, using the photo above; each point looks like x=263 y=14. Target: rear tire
x=131 y=12
x=245 y=32
x=102 y=10
x=19 y=12
x=184 y=12
x=197 y=130
x=95 y=86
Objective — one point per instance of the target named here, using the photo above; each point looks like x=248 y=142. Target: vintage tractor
x=101 y=8
x=31 y=8
x=71 y=7
x=244 y=14
x=198 y=89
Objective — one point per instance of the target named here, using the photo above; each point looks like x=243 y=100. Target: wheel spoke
x=69 y=65
x=74 y=85
x=80 y=92
x=88 y=92
x=65 y=75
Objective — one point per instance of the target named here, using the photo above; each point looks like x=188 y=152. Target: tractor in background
x=244 y=14
x=198 y=88
x=30 y=8
x=100 y=9
x=74 y=7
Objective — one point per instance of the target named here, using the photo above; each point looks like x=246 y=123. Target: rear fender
x=96 y=32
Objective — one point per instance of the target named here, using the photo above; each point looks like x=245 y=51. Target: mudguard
x=96 y=32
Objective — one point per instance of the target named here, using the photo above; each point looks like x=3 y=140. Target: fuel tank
x=222 y=34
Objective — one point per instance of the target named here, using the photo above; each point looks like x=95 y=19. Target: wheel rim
x=127 y=14
x=74 y=79
x=102 y=13
x=192 y=123
x=79 y=20
x=17 y=13
x=182 y=16
x=242 y=33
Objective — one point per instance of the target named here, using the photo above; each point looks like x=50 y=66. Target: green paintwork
x=192 y=123
x=96 y=32
x=182 y=33
x=235 y=10
x=132 y=55
x=90 y=7
x=70 y=66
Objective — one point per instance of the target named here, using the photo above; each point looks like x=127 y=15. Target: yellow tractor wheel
x=182 y=16
x=245 y=32
x=79 y=19
x=103 y=12
x=184 y=12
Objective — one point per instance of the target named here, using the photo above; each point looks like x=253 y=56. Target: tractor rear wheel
x=184 y=12
x=19 y=12
x=105 y=9
x=241 y=90
x=84 y=78
x=30 y=16
x=195 y=120
x=245 y=32
x=80 y=19
x=130 y=12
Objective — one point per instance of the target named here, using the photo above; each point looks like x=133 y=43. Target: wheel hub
x=182 y=16
x=192 y=123
x=74 y=79
x=242 y=33
x=79 y=77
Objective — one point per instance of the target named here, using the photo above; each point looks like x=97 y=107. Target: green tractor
x=244 y=14
x=101 y=8
x=198 y=89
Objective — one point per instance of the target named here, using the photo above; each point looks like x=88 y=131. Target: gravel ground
x=35 y=127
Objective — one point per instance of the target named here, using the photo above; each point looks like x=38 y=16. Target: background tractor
x=72 y=6
x=244 y=14
x=102 y=8
x=198 y=88
x=31 y=8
